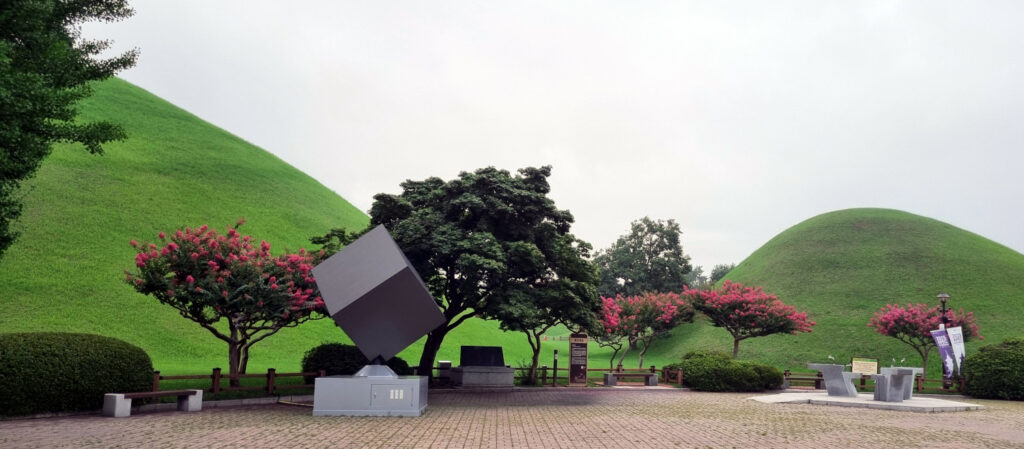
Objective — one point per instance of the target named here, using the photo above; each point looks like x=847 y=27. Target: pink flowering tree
x=640 y=319
x=209 y=277
x=913 y=323
x=747 y=312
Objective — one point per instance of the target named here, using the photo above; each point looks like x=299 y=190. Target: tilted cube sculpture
x=375 y=295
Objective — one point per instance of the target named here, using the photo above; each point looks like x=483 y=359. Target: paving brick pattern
x=543 y=418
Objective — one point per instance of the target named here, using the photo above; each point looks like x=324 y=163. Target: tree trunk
x=234 y=355
x=536 y=361
x=735 y=347
x=243 y=362
x=624 y=352
x=430 y=348
x=647 y=345
x=611 y=361
x=924 y=361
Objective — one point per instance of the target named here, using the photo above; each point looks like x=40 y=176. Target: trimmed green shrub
x=717 y=371
x=769 y=377
x=996 y=371
x=337 y=358
x=56 y=372
x=701 y=370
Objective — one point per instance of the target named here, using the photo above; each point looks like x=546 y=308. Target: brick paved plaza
x=542 y=418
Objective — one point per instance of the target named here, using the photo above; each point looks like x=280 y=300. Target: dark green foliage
x=996 y=371
x=45 y=69
x=648 y=259
x=718 y=273
x=337 y=358
x=768 y=377
x=717 y=371
x=57 y=372
x=493 y=245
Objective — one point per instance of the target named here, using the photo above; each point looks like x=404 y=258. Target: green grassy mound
x=843 y=266
x=65 y=273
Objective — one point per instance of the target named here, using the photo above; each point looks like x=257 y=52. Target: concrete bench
x=650 y=379
x=119 y=405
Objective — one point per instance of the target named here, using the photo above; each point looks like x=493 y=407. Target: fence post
x=679 y=376
x=819 y=381
x=618 y=368
x=652 y=369
x=271 y=375
x=543 y=374
x=554 y=371
x=156 y=380
x=215 y=388
x=863 y=382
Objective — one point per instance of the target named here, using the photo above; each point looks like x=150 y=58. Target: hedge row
x=55 y=372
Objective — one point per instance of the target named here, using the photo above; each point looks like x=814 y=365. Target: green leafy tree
x=718 y=273
x=553 y=284
x=228 y=286
x=648 y=259
x=485 y=243
x=696 y=278
x=45 y=69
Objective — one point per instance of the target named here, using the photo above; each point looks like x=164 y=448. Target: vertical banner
x=578 y=358
x=956 y=339
x=945 y=351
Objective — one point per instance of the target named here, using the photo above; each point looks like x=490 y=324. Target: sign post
x=578 y=358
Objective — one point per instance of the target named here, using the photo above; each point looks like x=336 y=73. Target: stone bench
x=119 y=405
x=837 y=381
x=650 y=379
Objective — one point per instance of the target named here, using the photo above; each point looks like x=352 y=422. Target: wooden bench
x=119 y=405
x=650 y=379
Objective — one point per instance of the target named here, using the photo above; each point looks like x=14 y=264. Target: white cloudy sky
x=737 y=119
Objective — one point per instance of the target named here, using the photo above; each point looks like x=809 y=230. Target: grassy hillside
x=842 y=266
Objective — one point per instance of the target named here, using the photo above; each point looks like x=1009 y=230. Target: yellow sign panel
x=864 y=366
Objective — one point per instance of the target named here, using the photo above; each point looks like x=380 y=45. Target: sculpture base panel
x=370 y=396
x=483 y=376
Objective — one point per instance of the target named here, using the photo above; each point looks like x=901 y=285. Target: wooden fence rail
x=270 y=386
x=545 y=374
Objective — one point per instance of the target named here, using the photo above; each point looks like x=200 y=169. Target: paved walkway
x=543 y=418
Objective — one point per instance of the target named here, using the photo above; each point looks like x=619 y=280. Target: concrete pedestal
x=370 y=396
x=483 y=376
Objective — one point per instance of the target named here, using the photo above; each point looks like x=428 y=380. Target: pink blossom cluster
x=632 y=315
x=227 y=272
x=748 y=311
x=915 y=321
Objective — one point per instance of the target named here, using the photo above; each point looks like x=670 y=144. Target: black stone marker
x=481 y=356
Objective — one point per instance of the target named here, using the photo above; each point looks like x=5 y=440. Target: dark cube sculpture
x=375 y=295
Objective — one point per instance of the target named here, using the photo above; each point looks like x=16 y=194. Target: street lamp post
x=943 y=298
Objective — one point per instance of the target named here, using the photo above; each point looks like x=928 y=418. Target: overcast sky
x=737 y=119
